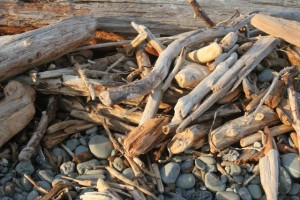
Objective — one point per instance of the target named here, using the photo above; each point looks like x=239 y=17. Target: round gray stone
x=83 y=141
x=285 y=181
x=128 y=173
x=244 y=193
x=200 y=164
x=255 y=191
x=295 y=189
x=80 y=149
x=170 y=172
x=46 y=175
x=227 y=196
x=32 y=195
x=67 y=168
x=88 y=165
x=100 y=146
x=238 y=179
x=233 y=169
x=119 y=164
x=25 y=167
x=186 y=165
x=209 y=160
x=291 y=163
x=19 y=197
x=265 y=76
x=185 y=181
x=72 y=144
x=91 y=130
x=213 y=183
x=45 y=185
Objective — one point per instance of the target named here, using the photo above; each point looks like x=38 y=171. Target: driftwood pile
x=229 y=86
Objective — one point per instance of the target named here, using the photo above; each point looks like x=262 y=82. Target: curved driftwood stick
x=161 y=68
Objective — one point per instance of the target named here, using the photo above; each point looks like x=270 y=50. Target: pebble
x=285 y=181
x=32 y=195
x=231 y=156
x=72 y=144
x=295 y=189
x=255 y=180
x=9 y=189
x=208 y=160
x=205 y=195
x=211 y=168
x=128 y=173
x=44 y=184
x=173 y=196
x=213 y=183
x=88 y=165
x=95 y=172
x=233 y=169
x=200 y=164
x=186 y=181
x=83 y=141
x=91 y=130
x=223 y=178
x=80 y=149
x=161 y=197
x=118 y=164
x=67 y=168
x=187 y=165
x=6 y=178
x=291 y=163
x=25 y=167
x=46 y=175
x=58 y=152
x=57 y=180
x=205 y=148
x=294 y=198
x=227 y=196
x=188 y=194
x=170 y=172
x=100 y=146
x=265 y=76
x=244 y=193
x=238 y=179
x=90 y=177
x=26 y=184
x=255 y=191
x=19 y=197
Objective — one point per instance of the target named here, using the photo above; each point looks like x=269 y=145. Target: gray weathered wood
x=165 y=17
x=19 y=53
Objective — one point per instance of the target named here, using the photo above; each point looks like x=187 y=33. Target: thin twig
x=199 y=12
x=86 y=81
x=47 y=117
x=115 y=64
x=35 y=184
x=119 y=176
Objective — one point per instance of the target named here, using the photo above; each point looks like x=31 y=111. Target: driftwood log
x=22 y=52
x=238 y=128
x=27 y=15
x=16 y=109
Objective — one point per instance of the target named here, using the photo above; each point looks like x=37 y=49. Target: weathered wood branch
x=162 y=65
x=22 y=52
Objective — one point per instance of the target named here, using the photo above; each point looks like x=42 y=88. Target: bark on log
x=22 y=52
x=116 y=15
x=238 y=128
x=16 y=109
